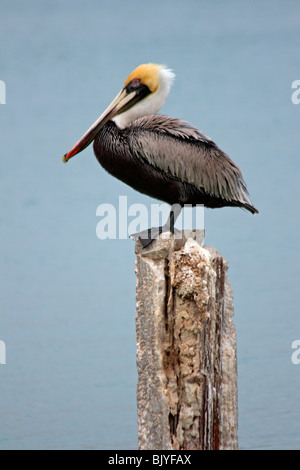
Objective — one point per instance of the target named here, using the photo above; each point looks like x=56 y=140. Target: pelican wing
x=179 y=149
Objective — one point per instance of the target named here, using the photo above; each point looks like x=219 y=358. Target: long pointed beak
x=123 y=101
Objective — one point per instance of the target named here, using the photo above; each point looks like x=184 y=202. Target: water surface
x=68 y=299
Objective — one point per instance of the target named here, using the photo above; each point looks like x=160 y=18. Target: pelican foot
x=147 y=236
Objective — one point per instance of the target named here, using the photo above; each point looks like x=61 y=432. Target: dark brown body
x=170 y=160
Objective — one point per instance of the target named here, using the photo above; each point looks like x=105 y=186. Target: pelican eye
x=138 y=88
x=135 y=82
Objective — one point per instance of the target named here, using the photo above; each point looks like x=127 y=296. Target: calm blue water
x=67 y=299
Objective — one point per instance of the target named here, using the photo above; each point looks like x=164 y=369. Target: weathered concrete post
x=186 y=347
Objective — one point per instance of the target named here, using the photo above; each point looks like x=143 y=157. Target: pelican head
x=144 y=92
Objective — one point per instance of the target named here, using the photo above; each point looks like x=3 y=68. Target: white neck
x=149 y=105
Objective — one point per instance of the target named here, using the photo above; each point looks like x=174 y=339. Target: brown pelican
x=163 y=157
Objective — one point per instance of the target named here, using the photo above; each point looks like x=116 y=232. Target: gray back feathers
x=179 y=149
